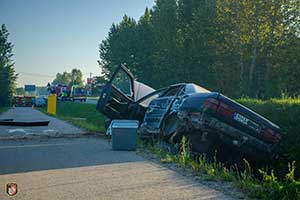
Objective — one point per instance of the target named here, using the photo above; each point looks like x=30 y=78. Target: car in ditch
x=209 y=120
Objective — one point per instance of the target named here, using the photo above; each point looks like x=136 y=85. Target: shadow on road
x=35 y=155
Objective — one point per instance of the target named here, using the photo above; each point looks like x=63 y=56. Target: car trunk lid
x=247 y=120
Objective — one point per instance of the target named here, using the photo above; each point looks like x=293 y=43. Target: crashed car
x=209 y=120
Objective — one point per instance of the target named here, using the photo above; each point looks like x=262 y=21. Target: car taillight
x=271 y=135
x=211 y=104
x=226 y=110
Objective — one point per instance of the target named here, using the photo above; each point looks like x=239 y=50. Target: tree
x=66 y=78
x=240 y=48
x=20 y=91
x=119 y=47
x=196 y=32
x=145 y=48
x=76 y=77
x=165 y=55
x=8 y=76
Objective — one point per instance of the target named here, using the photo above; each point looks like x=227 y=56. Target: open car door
x=119 y=97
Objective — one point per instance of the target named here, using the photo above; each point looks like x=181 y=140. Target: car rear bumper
x=226 y=134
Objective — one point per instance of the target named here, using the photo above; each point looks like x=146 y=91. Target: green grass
x=82 y=115
x=269 y=187
x=3 y=109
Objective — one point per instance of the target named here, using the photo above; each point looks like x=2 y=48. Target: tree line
x=8 y=76
x=240 y=48
x=69 y=78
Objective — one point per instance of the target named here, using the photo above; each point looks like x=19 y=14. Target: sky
x=51 y=36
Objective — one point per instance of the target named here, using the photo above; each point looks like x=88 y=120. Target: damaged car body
x=209 y=120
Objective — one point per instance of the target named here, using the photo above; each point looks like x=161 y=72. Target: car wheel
x=198 y=144
x=170 y=126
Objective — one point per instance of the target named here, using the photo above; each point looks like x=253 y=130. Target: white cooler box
x=124 y=134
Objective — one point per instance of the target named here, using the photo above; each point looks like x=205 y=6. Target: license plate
x=240 y=118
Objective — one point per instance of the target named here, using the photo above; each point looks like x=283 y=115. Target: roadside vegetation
x=285 y=112
x=268 y=186
x=3 y=109
x=240 y=48
x=82 y=115
x=8 y=76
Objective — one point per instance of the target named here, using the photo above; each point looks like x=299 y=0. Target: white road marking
x=16 y=130
x=48 y=131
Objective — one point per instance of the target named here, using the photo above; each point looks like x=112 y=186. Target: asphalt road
x=91 y=101
x=88 y=101
x=56 y=127
x=87 y=168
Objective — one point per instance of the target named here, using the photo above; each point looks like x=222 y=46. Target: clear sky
x=52 y=36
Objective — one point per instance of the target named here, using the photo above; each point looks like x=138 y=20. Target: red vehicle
x=63 y=92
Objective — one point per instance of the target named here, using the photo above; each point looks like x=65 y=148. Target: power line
x=36 y=74
x=51 y=76
x=97 y=74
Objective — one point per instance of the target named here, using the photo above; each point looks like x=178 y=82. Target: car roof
x=197 y=87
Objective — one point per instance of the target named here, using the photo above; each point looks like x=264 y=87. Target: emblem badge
x=11 y=189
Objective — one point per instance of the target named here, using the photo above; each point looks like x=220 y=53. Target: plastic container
x=124 y=134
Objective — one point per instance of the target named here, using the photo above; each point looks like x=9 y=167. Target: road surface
x=56 y=126
x=89 y=101
x=87 y=168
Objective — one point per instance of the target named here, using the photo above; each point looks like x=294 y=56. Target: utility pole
x=90 y=84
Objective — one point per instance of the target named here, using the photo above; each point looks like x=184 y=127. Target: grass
x=269 y=187
x=3 y=109
x=82 y=115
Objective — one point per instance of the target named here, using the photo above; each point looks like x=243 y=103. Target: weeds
x=3 y=109
x=184 y=158
x=270 y=187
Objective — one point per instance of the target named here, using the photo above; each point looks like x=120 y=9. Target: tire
x=198 y=145
x=170 y=126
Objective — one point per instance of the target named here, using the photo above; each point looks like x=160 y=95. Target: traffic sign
x=29 y=88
